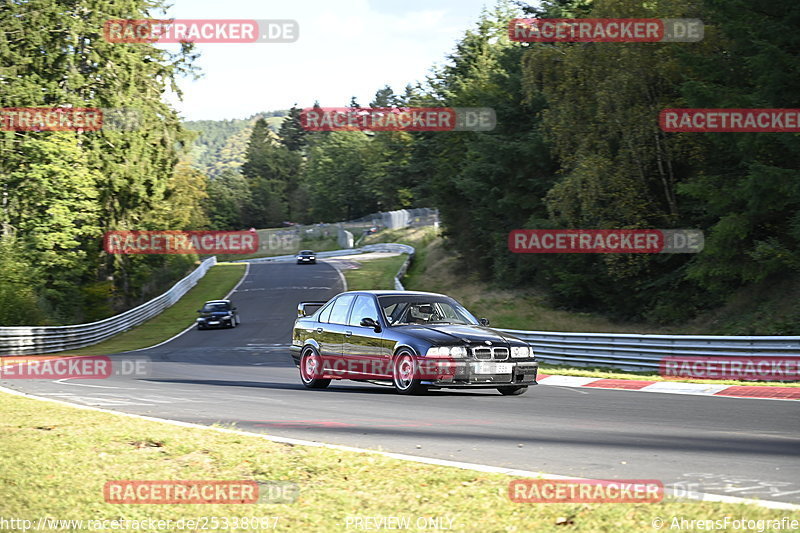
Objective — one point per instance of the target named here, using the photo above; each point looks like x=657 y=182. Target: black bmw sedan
x=413 y=340
x=306 y=257
x=218 y=314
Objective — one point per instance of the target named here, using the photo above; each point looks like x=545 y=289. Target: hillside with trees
x=577 y=145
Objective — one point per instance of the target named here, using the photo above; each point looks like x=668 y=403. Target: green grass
x=55 y=460
x=374 y=273
x=217 y=282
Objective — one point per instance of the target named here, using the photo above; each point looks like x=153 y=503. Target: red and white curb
x=675 y=387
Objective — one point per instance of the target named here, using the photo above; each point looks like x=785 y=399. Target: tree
x=292 y=134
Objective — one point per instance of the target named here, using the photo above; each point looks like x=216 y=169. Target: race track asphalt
x=244 y=376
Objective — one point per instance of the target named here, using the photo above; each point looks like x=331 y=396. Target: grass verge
x=217 y=282
x=56 y=459
x=374 y=273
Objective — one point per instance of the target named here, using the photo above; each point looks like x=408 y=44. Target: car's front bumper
x=218 y=323
x=486 y=374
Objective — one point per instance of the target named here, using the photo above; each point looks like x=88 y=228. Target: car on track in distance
x=414 y=341
x=218 y=314
x=306 y=257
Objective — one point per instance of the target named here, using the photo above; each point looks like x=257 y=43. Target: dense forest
x=577 y=145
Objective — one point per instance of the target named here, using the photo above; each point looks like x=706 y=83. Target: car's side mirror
x=368 y=322
x=484 y=321
x=199 y=310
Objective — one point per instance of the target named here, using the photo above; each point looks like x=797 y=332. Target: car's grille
x=490 y=354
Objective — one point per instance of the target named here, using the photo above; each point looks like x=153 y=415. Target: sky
x=345 y=48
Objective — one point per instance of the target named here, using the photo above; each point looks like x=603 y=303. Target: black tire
x=404 y=367
x=309 y=370
x=199 y=327
x=513 y=390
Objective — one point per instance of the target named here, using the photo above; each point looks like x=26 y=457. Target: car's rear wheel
x=403 y=371
x=311 y=370
x=513 y=391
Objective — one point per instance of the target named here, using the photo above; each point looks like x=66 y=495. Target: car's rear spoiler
x=308 y=308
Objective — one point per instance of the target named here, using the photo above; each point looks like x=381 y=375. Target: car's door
x=364 y=352
x=331 y=338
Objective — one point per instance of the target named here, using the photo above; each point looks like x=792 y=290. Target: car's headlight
x=313 y=257
x=521 y=351
x=447 y=351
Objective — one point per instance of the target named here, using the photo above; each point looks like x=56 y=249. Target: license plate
x=492 y=368
x=213 y=322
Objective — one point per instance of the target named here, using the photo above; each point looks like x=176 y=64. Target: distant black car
x=218 y=314
x=415 y=340
x=306 y=256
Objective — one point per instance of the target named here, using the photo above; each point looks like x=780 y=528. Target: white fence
x=25 y=340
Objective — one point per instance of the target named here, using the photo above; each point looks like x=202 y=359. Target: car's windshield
x=402 y=310
x=215 y=307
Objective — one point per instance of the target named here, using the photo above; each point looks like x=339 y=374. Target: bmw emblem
x=488 y=343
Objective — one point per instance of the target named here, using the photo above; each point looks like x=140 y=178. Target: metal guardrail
x=617 y=350
x=26 y=340
x=629 y=351
x=383 y=247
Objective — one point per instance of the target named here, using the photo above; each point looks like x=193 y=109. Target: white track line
x=400 y=456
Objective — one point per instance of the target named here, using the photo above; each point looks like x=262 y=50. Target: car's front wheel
x=311 y=370
x=403 y=372
x=513 y=391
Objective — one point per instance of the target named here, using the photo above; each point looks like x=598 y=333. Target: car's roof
x=218 y=302
x=306 y=251
x=399 y=293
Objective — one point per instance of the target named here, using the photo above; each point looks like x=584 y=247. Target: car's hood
x=215 y=314
x=449 y=334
